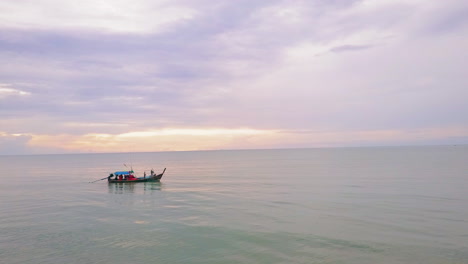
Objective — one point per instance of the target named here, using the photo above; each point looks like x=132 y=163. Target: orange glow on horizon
x=211 y=139
x=153 y=140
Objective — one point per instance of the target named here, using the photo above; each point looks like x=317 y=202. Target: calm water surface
x=351 y=205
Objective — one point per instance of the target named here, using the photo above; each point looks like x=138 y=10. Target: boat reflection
x=137 y=187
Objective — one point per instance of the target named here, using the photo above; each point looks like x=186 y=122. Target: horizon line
x=253 y=149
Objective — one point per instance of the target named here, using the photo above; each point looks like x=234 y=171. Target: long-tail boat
x=128 y=177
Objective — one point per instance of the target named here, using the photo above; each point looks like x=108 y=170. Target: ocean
x=337 y=205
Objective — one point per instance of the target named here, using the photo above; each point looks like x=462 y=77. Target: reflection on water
x=132 y=187
x=121 y=188
x=153 y=186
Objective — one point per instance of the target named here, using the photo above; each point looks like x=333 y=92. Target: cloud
x=13 y=144
x=443 y=18
x=5 y=92
x=324 y=138
x=344 y=48
x=150 y=140
x=213 y=139
x=120 y=16
x=119 y=68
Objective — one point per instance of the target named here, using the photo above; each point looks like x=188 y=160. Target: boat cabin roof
x=123 y=172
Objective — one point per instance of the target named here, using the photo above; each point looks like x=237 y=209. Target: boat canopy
x=123 y=173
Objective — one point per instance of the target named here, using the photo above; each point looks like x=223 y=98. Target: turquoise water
x=350 y=205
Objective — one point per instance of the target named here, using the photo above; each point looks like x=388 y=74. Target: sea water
x=343 y=205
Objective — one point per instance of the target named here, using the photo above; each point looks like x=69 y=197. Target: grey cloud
x=180 y=77
x=18 y=145
x=344 y=48
x=81 y=70
x=447 y=21
x=13 y=145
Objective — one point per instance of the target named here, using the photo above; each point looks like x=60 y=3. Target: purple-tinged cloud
x=302 y=65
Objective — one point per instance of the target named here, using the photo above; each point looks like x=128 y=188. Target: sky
x=131 y=76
